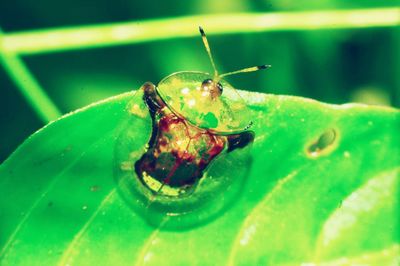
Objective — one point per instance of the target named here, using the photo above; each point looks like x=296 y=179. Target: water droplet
x=323 y=144
x=84 y=207
x=346 y=154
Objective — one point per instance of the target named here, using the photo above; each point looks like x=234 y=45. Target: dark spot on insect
x=214 y=88
x=178 y=152
x=220 y=88
x=202 y=31
x=263 y=67
x=50 y=204
x=249 y=125
x=240 y=140
x=324 y=141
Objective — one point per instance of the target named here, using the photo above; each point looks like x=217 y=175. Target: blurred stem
x=28 y=86
x=42 y=41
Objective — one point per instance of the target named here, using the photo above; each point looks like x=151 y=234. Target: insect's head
x=206 y=100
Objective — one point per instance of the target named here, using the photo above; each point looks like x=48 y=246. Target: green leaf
x=322 y=187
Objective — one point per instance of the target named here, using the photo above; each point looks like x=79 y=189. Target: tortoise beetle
x=197 y=122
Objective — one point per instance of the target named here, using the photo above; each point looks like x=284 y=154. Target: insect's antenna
x=207 y=46
x=244 y=70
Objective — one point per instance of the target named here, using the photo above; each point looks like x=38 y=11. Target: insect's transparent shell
x=183 y=94
x=215 y=192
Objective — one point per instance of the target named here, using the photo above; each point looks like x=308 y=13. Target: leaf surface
x=322 y=187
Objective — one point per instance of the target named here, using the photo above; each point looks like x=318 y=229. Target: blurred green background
x=330 y=65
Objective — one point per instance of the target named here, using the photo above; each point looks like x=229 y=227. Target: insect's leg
x=154 y=195
x=151 y=98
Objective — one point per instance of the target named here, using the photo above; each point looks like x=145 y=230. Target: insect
x=197 y=121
